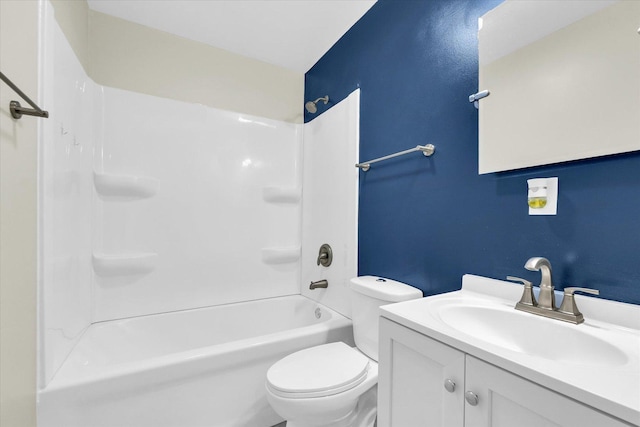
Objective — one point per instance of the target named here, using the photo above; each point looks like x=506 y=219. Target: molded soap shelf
x=124 y=264
x=281 y=194
x=125 y=186
x=281 y=255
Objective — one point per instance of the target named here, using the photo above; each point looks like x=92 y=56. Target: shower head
x=311 y=105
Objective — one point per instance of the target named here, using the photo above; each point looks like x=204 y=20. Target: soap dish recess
x=281 y=194
x=108 y=265
x=281 y=255
x=125 y=186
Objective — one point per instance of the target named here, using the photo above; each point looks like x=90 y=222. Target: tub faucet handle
x=325 y=255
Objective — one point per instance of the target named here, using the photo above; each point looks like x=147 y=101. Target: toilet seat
x=318 y=371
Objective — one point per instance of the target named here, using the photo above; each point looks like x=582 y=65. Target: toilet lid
x=318 y=371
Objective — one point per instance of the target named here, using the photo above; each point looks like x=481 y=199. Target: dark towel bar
x=14 y=106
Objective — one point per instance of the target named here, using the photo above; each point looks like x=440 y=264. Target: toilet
x=335 y=384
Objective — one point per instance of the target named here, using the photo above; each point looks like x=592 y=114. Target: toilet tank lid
x=384 y=289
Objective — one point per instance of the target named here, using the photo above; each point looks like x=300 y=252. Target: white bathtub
x=194 y=368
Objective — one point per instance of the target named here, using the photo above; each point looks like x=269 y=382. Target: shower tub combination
x=194 y=368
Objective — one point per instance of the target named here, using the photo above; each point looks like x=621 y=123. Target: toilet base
x=364 y=414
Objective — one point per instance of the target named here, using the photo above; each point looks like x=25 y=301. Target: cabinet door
x=507 y=400
x=411 y=382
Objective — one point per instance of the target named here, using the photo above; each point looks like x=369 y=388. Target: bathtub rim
x=195 y=360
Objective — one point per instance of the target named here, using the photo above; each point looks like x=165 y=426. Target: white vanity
x=468 y=358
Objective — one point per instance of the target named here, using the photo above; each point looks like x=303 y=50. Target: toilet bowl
x=328 y=385
x=335 y=385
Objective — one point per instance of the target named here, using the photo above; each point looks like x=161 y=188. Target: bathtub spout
x=318 y=284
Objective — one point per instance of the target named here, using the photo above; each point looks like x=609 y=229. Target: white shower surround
x=330 y=201
x=66 y=150
x=209 y=221
x=149 y=205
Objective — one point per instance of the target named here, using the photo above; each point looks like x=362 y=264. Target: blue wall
x=428 y=221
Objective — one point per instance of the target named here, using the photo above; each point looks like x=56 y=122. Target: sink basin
x=530 y=334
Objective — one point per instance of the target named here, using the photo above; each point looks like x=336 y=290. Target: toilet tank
x=368 y=293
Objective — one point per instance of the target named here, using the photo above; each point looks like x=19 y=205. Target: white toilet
x=334 y=384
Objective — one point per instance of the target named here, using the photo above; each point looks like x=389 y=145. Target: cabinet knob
x=449 y=385
x=471 y=398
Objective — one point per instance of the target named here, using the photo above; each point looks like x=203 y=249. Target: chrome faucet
x=546 y=304
x=318 y=284
x=546 y=298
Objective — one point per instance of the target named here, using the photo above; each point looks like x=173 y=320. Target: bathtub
x=194 y=368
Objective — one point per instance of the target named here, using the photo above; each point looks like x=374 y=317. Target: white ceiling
x=290 y=33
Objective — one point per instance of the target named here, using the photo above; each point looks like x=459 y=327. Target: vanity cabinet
x=411 y=373
x=423 y=382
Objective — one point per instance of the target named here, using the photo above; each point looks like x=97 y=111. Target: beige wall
x=130 y=56
x=18 y=209
x=73 y=18
x=141 y=59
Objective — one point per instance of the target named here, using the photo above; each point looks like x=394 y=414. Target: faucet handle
x=527 y=295
x=519 y=279
x=569 y=303
x=572 y=290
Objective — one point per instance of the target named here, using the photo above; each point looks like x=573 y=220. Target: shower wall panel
x=330 y=201
x=196 y=206
x=65 y=200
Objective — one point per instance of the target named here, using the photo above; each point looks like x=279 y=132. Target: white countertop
x=612 y=389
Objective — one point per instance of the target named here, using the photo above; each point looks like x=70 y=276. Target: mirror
x=564 y=82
